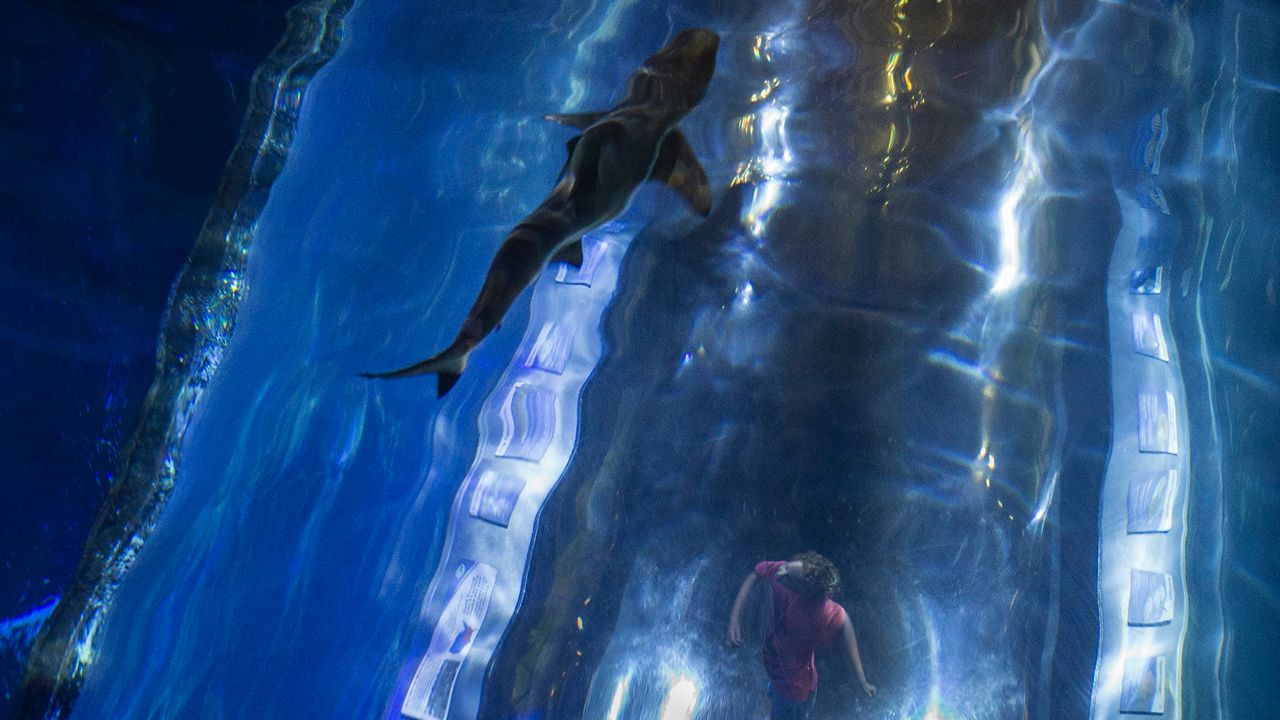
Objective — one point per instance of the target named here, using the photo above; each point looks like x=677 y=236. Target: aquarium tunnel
x=984 y=310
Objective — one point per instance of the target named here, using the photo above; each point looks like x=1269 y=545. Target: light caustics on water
x=992 y=322
x=996 y=315
x=737 y=333
x=767 y=170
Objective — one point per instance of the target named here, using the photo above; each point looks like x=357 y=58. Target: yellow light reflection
x=894 y=58
x=769 y=86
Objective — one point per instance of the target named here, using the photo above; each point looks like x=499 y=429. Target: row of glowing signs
x=529 y=425
x=1143 y=675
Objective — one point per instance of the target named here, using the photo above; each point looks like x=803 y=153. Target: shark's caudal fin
x=576 y=120
x=679 y=168
x=447 y=366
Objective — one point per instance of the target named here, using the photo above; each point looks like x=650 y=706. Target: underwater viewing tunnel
x=974 y=298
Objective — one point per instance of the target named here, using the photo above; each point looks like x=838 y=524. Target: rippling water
x=889 y=343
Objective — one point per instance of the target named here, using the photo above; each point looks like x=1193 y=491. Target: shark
x=617 y=151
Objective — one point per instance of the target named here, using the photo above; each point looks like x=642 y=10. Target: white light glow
x=763 y=199
x=773 y=161
x=773 y=136
x=619 y=694
x=1009 y=216
x=681 y=700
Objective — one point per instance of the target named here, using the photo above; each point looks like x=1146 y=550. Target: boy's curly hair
x=821 y=580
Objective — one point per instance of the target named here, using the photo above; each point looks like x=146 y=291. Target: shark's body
x=618 y=151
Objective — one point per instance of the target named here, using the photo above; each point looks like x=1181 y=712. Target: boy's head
x=811 y=575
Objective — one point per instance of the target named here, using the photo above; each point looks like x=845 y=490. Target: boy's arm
x=735 y=617
x=851 y=640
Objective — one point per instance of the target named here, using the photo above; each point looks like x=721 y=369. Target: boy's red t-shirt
x=797 y=626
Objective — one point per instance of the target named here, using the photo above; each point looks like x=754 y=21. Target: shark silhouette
x=618 y=151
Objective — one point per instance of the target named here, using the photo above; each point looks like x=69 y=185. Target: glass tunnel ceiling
x=926 y=331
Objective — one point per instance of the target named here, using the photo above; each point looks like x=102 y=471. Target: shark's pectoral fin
x=577 y=120
x=679 y=168
x=571 y=254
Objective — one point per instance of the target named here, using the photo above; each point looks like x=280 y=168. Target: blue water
x=889 y=343
x=108 y=174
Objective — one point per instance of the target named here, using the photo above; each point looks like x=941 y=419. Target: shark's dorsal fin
x=570 y=254
x=577 y=120
x=679 y=168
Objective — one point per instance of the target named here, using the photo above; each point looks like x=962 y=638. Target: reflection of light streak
x=619 y=694
x=681 y=700
x=891 y=84
x=761 y=50
x=763 y=198
x=774 y=160
x=935 y=669
x=607 y=30
x=776 y=153
x=85 y=650
x=1011 y=232
x=1042 y=507
x=1025 y=189
x=769 y=86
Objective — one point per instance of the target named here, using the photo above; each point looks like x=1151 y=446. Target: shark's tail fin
x=447 y=366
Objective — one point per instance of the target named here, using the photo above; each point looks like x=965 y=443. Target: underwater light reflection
x=619 y=694
x=1027 y=180
x=774 y=159
x=681 y=700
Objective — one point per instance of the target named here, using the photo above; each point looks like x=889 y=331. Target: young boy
x=802 y=618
